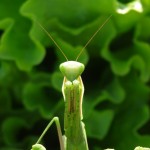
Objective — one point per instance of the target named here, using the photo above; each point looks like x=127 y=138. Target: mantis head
x=71 y=69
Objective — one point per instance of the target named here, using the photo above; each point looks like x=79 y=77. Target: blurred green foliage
x=116 y=103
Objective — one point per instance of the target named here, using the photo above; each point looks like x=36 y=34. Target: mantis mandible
x=73 y=90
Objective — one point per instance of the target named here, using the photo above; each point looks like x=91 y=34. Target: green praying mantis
x=72 y=90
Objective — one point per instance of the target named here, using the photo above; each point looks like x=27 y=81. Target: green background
x=116 y=78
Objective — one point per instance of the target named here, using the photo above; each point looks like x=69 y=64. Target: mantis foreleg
x=37 y=146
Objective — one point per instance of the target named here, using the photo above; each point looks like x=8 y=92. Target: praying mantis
x=72 y=90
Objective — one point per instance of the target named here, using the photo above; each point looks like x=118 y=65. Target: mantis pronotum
x=72 y=89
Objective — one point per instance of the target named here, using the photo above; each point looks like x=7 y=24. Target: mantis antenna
x=93 y=37
x=52 y=39
x=85 y=44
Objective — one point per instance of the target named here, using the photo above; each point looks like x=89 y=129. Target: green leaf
x=98 y=124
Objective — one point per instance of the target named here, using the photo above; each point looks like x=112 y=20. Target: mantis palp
x=72 y=89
